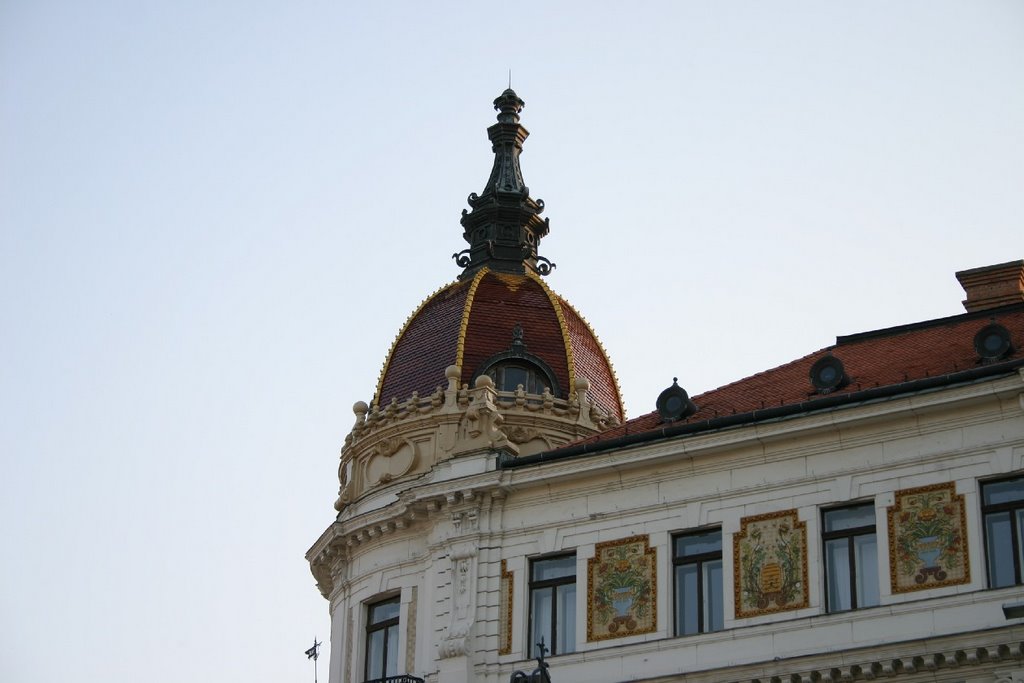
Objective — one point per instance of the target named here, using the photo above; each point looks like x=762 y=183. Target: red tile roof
x=429 y=343
x=592 y=362
x=425 y=347
x=883 y=358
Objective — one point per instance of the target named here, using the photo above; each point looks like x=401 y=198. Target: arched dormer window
x=509 y=375
x=517 y=366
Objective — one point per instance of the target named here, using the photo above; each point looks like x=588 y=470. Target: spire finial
x=504 y=228
x=508 y=105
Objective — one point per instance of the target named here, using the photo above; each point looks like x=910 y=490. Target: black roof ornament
x=517 y=338
x=828 y=374
x=992 y=343
x=674 y=403
x=504 y=228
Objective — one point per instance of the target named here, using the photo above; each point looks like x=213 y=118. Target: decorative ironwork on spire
x=504 y=228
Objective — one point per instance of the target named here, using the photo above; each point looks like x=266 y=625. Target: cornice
x=805 y=424
x=413 y=507
x=910 y=660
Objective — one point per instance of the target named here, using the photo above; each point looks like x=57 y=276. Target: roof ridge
x=467 y=308
x=600 y=347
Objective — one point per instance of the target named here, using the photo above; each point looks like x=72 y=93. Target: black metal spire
x=504 y=228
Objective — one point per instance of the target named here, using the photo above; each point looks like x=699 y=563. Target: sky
x=215 y=217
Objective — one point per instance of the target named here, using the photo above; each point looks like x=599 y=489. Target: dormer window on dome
x=517 y=367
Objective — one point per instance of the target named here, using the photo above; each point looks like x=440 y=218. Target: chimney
x=993 y=286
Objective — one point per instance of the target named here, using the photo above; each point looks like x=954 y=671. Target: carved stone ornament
x=481 y=423
x=455 y=642
x=390 y=459
x=521 y=435
x=405 y=439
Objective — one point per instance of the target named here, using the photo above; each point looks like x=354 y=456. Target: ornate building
x=855 y=514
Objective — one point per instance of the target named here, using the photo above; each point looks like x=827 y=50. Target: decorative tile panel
x=770 y=564
x=505 y=611
x=622 y=589
x=928 y=539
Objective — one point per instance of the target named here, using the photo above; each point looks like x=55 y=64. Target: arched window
x=517 y=366
x=509 y=375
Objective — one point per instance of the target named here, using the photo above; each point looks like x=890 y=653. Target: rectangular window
x=1002 y=506
x=697 y=560
x=851 y=557
x=382 y=639
x=553 y=604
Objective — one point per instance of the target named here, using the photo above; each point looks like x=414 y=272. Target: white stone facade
x=437 y=539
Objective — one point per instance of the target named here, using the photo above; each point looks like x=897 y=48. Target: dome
x=496 y=320
x=494 y=365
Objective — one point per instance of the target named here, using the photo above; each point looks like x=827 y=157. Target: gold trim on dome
x=467 y=307
x=511 y=280
x=563 y=326
x=401 y=333
x=600 y=347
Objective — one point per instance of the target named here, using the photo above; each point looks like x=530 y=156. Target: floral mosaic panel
x=622 y=589
x=770 y=564
x=928 y=539
x=504 y=611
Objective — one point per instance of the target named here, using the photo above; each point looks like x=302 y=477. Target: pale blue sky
x=214 y=218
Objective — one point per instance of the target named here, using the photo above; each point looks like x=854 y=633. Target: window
x=697 y=560
x=382 y=639
x=851 y=558
x=509 y=376
x=553 y=604
x=1002 y=506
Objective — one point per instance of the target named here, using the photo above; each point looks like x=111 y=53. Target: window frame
x=698 y=559
x=850 y=534
x=995 y=508
x=551 y=585
x=383 y=625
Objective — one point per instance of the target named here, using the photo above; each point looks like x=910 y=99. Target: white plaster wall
x=860 y=454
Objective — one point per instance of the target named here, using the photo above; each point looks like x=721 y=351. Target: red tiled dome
x=471 y=321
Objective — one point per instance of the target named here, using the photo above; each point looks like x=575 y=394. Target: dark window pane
x=837 y=574
x=1003 y=491
x=554 y=568
x=383 y=611
x=686 y=599
x=514 y=376
x=850 y=518
x=698 y=544
x=714 y=616
x=566 y=619
x=392 y=651
x=865 y=552
x=540 y=618
x=999 y=550
x=375 y=654
x=1020 y=541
